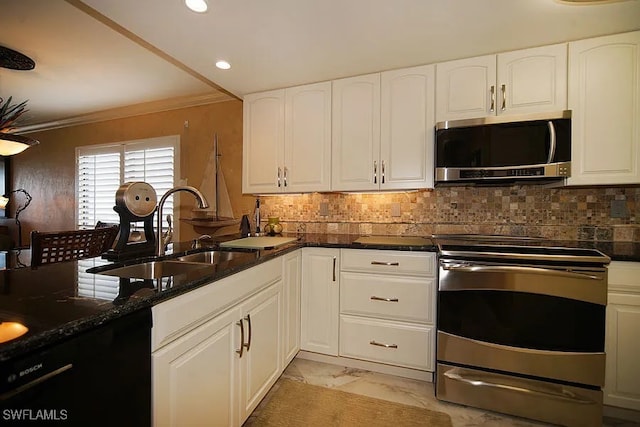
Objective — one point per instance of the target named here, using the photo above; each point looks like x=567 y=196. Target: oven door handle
x=564 y=394
x=470 y=268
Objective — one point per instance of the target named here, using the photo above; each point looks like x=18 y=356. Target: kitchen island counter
x=60 y=300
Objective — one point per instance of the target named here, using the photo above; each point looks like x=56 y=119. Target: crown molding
x=128 y=111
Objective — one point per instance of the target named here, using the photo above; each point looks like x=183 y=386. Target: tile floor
x=409 y=392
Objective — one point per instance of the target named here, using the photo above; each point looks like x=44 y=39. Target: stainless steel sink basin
x=211 y=257
x=156 y=269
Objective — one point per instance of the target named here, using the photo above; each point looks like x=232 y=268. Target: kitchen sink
x=155 y=269
x=211 y=257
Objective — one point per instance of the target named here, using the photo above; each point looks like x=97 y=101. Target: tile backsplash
x=595 y=213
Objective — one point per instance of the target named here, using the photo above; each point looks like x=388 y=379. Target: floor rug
x=296 y=404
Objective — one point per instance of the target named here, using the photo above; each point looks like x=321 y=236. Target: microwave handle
x=552 y=141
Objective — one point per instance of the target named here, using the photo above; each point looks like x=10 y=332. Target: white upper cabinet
x=307 y=138
x=383 y=130
x=287 y=140
x=356 y=133
x=604 y=96
x=263 y=141
x=519 y=82
x=407 y=128
x=463 y=88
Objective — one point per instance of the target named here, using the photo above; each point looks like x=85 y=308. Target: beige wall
x=47 y=171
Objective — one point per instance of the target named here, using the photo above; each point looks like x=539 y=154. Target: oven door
x=539 y=321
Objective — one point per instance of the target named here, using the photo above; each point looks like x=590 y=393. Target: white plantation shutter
x=98 y=180
x=102 y=169
x=154 y=166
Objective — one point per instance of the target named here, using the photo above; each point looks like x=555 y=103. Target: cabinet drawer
x=624 y=276
x=391 y=297
x=395 y=343
x=389 y=262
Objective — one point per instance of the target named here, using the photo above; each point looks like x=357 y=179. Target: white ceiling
x=94 y=55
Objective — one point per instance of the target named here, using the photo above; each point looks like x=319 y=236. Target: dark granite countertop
x=60 y=300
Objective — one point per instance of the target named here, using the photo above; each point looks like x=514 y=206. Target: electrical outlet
x=395 y=210
x=619 y=209
x=324 y=209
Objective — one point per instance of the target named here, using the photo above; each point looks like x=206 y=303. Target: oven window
x=523 y=320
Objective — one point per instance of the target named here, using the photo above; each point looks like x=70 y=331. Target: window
x=101 y=169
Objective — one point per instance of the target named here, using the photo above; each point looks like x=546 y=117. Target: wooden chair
x=59 y=246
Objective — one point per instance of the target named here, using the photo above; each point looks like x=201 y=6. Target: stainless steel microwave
x=528 y=148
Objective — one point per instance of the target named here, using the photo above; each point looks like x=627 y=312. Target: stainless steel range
x=521 y=327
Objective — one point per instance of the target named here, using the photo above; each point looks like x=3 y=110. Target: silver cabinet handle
x=334 y=269
x=11 y=393
x=248 y=319
x=385 y=263
x=279 y=172
x=375 y=298
x=504 y=97
x=552 y=141
x=375 y=172
x=285 y=176
x=383 y=345
x=564 y=394
x=382 y=171
x=241 y=324
x=493 y=99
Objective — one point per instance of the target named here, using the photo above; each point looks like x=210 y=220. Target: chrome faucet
x=202 y=204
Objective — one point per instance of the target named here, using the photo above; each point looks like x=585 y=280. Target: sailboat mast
x=217 y=166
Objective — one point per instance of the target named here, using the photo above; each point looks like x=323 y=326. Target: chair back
x=59 y=246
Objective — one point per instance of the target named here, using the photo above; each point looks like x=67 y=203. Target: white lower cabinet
x=217 y=350
x=195 y=377
x=320 y=300
x=622 y=346
x=260 y=361
x=292 y=268
x=387 y=307
x=370 y=305
x=396 y=343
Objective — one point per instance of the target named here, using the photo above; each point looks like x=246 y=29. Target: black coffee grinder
x=135 y=202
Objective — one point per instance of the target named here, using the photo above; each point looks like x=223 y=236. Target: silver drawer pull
x=383 y=345
x=384 y=263
x=375 y=298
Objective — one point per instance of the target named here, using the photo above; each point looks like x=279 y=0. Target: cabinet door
x=261 y=361
x=307 y=143
x=532 y=80
x=622 y=381
x=407 y=128
x=604 y=95
x=292 y=270
x=263 y=142
x=466 y=88
x=195 y=377
x=320 y=298
x=356 y=133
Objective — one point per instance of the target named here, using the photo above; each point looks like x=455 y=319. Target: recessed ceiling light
x=199 y=6
x=223 y=65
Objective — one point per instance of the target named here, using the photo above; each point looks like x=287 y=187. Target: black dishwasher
x=101 y=377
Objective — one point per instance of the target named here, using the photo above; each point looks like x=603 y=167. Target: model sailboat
x=214 y=188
